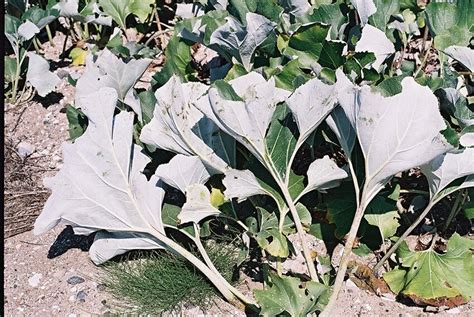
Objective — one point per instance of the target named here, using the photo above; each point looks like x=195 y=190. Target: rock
x=431 y=309
x=351 y=286
x=62 y=73
x=100 y=287
x=81 y=296
x=25 y=149
x=34 y=281
x=454 y=311
x=74 y=280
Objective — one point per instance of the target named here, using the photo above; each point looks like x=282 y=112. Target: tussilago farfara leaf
x=365 y=9
x=198 y=204
x=183 y=171
x=243 y=109
x=101 y=185
x=397 y=133
x=241 y=41
x=324 y=174
x=288 y=295
x=462 y=54
x=39 y=76
x=178 y=126
x=107 y=70
x=433 y=278
x=446 y=168
x=310 y=108
x=375 y=41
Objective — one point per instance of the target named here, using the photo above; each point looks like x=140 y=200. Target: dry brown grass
x=24 y=195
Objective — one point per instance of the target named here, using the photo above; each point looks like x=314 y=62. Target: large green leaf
x=141 y=8
x=382 y=213
x=117 y=9
x=307 y=44
x=288 y=295
x=385 y=9
x=433 y=278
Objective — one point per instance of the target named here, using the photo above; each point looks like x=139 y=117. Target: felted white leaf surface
x=109 y=71
x=241 y=41
x=132 y=100
x=324 y=174
x=176 y=123
x=242 y=184
x=467 y=139
x=183 y=171
x=198 y=204
x=101 y=185
x=39 y=76
x=27 y=30
x=246 y=120
x=462 y=54
x=110 y=244
x=446 y=168
x=68 y=8
x=375 y=41
x=398 y=133
x=365 y=8
x=310 y=104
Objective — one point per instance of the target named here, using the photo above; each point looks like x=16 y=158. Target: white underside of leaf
x=324 y=174
x=462 y=54
x=247 y=121
x=375 y=41
x=242 y=184
x=183 y=171
x=39 y=76
x=27 y=30
x=101 y=185
x=448 y=167
x=365 y=8
x=310 y=104
x=175 y=119
x=398 y=133
x=198 y=205
x=110 y=71
x=241 y=41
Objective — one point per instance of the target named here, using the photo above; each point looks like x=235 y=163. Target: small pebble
x=74 y=280
x=431 y=309
x=25 y=149
x=100 y=287
x=34 y=281
x=81 y=296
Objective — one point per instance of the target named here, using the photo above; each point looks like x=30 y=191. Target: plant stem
x=208 y=261
x=414 y=191
x=299 y=228
x=344 y=261
x=456 y=207
x=50 y=37
x=404 y=235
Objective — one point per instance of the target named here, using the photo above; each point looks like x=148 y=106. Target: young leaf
x=392 y=133
x=101 y=185
x=39 y=76
x=432 y=278
x=198 y=204
x=289 y=295
x=241 y=41
x=183 y=171
x=375 y=41
x=324 y=174
x=176 y=123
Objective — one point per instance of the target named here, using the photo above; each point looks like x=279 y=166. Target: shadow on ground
x=67 y=239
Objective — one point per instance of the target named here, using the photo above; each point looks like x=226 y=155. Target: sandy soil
x=51 y=275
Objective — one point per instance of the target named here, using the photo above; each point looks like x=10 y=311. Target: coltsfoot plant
x=311 y=120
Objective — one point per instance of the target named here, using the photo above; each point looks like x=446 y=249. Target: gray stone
x=74 y=280
x=81 y=296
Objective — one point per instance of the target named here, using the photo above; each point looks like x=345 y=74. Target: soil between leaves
x=36 y=285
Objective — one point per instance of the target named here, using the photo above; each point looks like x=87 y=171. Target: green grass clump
x=160 y=281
